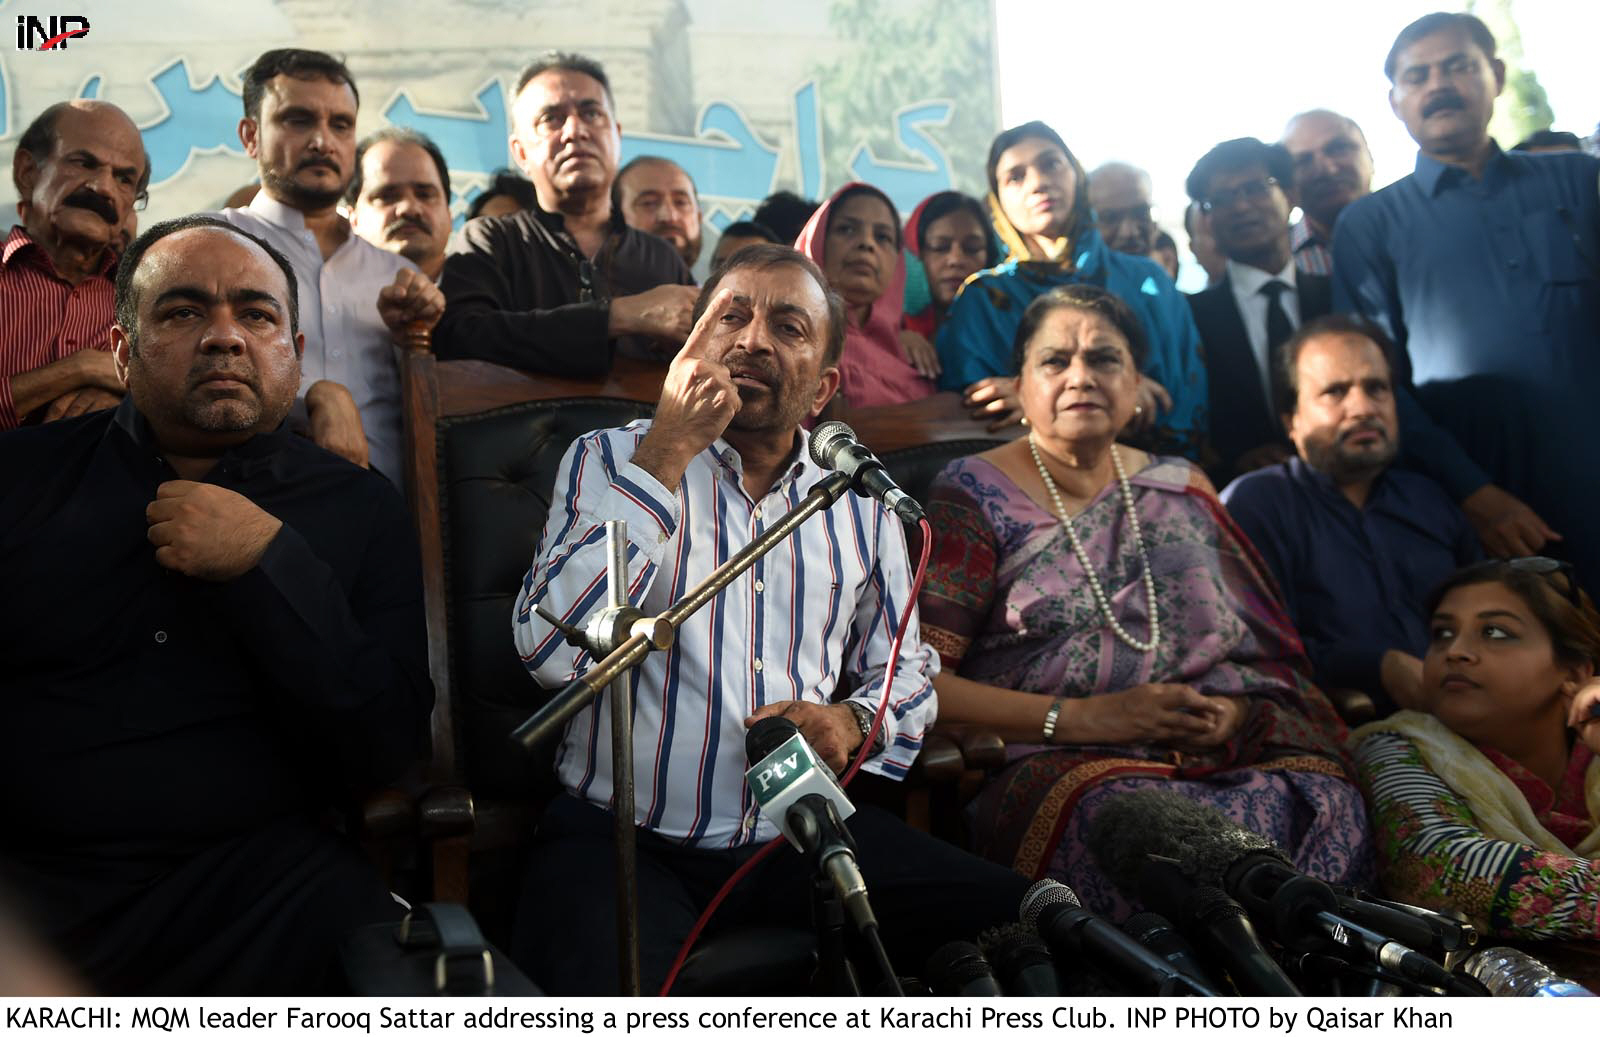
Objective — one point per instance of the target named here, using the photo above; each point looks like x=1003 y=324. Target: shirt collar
x=19 y=242
x=801 y=469
x=1323 y=482
x=253 y=454
x=1432 y=174
x=277 y=213
x=1249 y=280
x=1301 y=235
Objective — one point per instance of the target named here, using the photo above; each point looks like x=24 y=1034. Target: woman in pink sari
x=855 y=238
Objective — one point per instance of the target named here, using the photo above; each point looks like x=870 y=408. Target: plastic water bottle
x=1511 y=973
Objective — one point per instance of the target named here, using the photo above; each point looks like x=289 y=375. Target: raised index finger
x=699 y=340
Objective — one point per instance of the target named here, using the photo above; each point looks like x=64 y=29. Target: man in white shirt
x=1242 y=187
x=356 y=300
x=724 y=458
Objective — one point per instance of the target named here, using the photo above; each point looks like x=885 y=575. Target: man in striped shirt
x=724 y=458
x=80 y=170
x=1332 y=168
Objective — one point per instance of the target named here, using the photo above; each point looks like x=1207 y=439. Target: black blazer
x=1242 y=418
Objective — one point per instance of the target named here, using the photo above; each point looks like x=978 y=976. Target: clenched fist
x=412 y=299
x=206 y=531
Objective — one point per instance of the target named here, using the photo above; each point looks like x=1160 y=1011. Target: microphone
x=1021 y=960
x=1070 y=928
x=1223 y=927
x=1158 y=935
x=798 y=793
x=959 y=969
x=1416 y=926
x=834 y=446
x=1301 y=911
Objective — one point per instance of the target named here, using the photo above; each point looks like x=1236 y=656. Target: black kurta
x=166 y=740
x=519 y=292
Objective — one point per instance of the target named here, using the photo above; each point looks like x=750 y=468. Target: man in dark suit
x=1260 y=301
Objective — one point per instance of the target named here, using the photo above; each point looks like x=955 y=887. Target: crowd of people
x=1390 y=392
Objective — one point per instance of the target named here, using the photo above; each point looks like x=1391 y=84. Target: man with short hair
x=359 y=300
x=725 y=456
x=81 y=172
x=253 y=652
x=399 y=198
x=1121 y=195
x=1356 y=544
x=736 y=236
x=1261 y=300
x=1332 y=168
x=1481 y=265
x=553 y=289
x=656 y=196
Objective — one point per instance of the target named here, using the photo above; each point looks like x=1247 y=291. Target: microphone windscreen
x=1129 y=828
x=823 y=438
x=766 y=735
x=1017 y=952
x=1043 y=894
x=955 y=965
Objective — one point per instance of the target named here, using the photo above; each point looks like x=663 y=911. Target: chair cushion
x=914 y=468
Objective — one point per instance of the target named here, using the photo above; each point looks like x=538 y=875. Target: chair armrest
x=386 y=814
x=1355 y=707
x=444 y=811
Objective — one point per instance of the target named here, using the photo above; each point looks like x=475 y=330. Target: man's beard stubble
x=299 y=196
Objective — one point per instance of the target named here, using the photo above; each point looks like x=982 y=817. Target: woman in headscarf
x=949 y=237
x=855 y=238
x=1040 y=209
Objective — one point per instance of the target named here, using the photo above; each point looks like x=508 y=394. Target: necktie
x=1279 y=328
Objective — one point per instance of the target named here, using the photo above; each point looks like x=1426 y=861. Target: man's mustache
x=1444 y=102
x=406 y=221
x=99 y=204
x=1374 y=425
x=238 y=372
x=312 y=163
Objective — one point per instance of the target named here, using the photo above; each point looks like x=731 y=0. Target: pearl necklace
x=1095 y=588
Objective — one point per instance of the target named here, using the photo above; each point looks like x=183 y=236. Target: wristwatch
x=864 y=714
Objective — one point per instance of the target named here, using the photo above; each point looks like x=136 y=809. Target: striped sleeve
x=1431 y=852
x=595 y=482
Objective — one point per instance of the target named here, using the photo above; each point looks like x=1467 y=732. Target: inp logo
x=51 y=33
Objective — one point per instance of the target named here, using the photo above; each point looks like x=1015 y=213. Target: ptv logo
x=50 y=33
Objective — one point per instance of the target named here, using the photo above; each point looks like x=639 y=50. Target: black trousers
x=262 y=913
x=924 y=891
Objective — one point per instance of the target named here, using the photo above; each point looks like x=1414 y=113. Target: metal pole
x=622 y=779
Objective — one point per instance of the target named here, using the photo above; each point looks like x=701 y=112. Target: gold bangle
x=1051 y=715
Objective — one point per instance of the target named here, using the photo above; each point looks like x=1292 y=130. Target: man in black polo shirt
x=212 y=629
x=550 y=289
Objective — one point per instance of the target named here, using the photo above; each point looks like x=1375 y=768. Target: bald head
x=656 y=196
x=1120 y=195
x=1332 y=165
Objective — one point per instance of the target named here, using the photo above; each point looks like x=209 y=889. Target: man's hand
x=698 y=400
x=832 y=730
x=920 y=352
x=665 y=311
x=206 y=531
x=1584 y=714
x=411 y=299
x=1165 y=713
x=80 y=401
x=1153 y=401
x=1401 y=674
x=335 y=422
x=1263 y=456
x=1507 y=527
x=994 y=400
x=96 y=368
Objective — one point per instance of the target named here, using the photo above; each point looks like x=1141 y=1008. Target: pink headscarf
x=874 y=370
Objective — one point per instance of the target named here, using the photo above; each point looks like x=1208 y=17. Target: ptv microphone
x=834 y=446
x=959 y=969
x=1021 y=960
x=1070 y=928
x=798 y=793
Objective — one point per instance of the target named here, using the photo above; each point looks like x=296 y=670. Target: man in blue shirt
x=1355 y=544
x=1481 y=266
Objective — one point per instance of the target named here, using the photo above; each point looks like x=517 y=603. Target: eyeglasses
x=1254 y=190
x=1539 y=565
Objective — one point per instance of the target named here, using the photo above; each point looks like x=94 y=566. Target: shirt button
x=760 y=586
x=758 y=665
x=161 y=637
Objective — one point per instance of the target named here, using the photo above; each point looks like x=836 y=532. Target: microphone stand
x=621 y=636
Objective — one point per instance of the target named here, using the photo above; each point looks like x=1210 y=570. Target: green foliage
x=900 y=53
x=1523 y=108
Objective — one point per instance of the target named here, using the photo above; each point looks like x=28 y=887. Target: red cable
x=850 y=772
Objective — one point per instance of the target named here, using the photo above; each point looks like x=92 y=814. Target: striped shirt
x=820 y=609
x=44 y=318
x=346 y=340
x=1311 y=254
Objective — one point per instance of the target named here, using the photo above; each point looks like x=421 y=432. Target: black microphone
x=1300 y=912
x=834 y=446
x=1414 y=926
x=1219 y=923
x=1161 y=936
x=1021 y=960
x=959 y=969
x=1071 y=929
